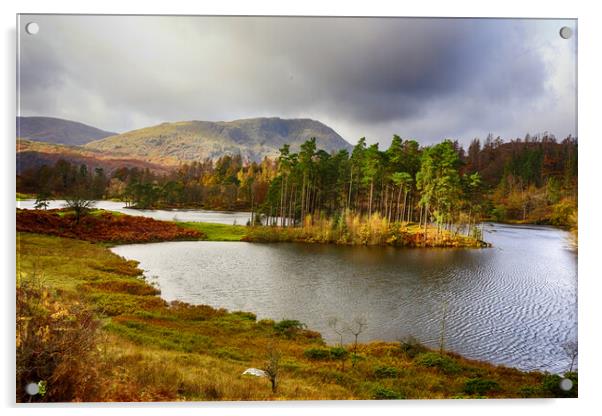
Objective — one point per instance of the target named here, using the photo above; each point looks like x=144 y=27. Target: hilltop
x=58 y=131
x=255 y=138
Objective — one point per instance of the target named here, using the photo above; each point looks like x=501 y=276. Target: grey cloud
x=422 y=78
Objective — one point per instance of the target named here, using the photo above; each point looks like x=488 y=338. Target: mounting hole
x=32 y=28
x=566 y=384
x=32 y=389
x=566 y=32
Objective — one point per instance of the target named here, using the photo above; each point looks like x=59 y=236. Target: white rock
x=255 y=372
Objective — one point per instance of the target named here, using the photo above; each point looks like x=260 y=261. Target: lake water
x=220 y=217
x=513 y=304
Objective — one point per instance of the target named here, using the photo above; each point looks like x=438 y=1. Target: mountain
x=255 y=138
x=58 y=131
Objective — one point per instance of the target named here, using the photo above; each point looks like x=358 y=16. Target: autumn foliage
x=102 y=227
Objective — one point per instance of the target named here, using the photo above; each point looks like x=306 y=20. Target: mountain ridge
x=58 y=131
x=185 y=141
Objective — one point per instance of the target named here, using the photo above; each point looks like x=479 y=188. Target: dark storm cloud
x=422 y=78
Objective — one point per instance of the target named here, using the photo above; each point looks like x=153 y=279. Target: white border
x=589 y=180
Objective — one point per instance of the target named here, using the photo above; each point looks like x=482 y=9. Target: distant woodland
x=525 y=180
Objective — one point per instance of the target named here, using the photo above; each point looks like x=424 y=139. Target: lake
x=189 y=215
x=513 y=304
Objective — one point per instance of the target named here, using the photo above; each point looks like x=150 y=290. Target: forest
x=531 y=180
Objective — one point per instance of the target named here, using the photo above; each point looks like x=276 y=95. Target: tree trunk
x=370 y=202
x=399 y=216
x=350 y=188
x=282 y=199
x=303 y=199
x=426 y=215
x=252 y=211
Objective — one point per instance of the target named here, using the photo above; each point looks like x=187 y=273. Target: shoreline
x=26 y=197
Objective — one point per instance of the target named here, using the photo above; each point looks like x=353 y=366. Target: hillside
x=33 y=155
x=56 y=130
x=172 y=143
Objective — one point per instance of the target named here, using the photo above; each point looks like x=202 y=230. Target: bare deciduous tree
x=571 y=350
x=337 y=328
x=358 y=326
x=272 y=367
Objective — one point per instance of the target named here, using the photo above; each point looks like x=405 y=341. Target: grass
x=149 y=350
x=217 y=232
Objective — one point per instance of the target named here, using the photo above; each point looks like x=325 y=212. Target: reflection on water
x=513 y=304
x=220 y=217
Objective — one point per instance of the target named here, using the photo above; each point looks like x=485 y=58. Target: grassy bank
x=102 y=226
x=217 y=232
x=89 y=328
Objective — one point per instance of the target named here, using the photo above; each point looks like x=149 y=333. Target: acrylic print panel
x=295 y=208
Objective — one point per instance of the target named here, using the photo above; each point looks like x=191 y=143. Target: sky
x=421 y=78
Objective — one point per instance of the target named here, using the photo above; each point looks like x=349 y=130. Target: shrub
x=442 y=362
x=562 y=213
x=382 y=393
x=288 y=327
x=249 y=316
x=339 y=353
x=356 y=358
x=385 y=372
x=411 y=347
x=334 y=353
x=480 y=386
x=317 y=353
x=56 y=347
